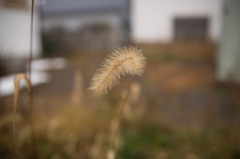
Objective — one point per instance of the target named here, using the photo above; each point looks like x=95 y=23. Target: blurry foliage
x=96 y=28
x=53 y=43
x=146 y=140
x=65 y=130
x=180 y=51
x=162 y=56
x=2 y=67
x=3 y=63
x=94 y=38
x=69 y=133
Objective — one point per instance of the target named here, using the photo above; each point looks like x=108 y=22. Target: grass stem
x=31 y=41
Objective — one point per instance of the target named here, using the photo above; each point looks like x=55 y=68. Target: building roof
x=61 y=7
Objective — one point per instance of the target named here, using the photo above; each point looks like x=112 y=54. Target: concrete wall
x=228 y=60
x=152 y=20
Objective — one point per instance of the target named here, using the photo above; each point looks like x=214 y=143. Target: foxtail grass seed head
x=128 y=60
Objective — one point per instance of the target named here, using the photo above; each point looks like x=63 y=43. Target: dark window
x=190 y=28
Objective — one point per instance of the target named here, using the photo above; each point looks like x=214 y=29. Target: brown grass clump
x=119 y=63
x=17 y=80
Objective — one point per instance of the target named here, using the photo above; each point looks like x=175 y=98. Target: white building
x=15 y=30
x=168 y=20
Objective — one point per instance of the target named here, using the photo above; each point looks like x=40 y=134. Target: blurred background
x=186 y=104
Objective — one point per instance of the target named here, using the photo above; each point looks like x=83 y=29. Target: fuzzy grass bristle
x=128 y=60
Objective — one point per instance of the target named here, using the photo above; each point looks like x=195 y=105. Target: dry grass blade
x=31 y=40
x=77 y=94
x=17 y=80
x=111 y=154
x=124 y=61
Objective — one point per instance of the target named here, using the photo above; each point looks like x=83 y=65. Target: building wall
x=15 y=33
x=152 y=20
x=228 y=59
